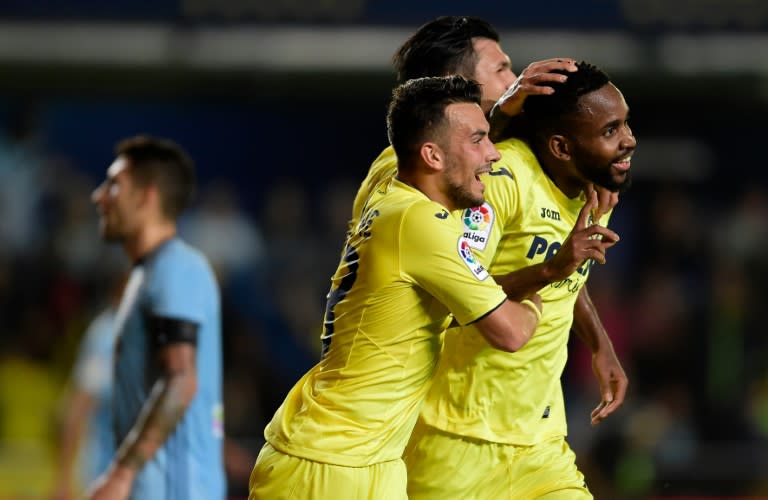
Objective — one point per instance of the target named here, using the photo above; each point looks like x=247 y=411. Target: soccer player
x=167 y=409
x=502 y=413
x=405 y=272
x=467 y=46
x=470 y=46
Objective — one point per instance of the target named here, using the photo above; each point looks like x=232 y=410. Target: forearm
x=498 y=121
x=587 y=324
x=168 y=400
x=526 y=281
x=78 y=413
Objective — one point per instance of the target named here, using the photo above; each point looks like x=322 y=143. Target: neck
x=148 y=239
x=429 y=189
x=560 y=175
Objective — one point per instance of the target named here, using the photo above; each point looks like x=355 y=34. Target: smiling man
x=504 y=413
x=405 y=272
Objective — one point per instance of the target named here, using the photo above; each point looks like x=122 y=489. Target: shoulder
x=518 y=160
x=179 y=259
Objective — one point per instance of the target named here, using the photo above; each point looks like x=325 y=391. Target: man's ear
x=432 y=155
x=560 y=147
x=150 y=196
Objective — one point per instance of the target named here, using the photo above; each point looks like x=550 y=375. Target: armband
x=164 y=331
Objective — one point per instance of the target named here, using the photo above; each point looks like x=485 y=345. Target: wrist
x=534 y=309
x=124 y=470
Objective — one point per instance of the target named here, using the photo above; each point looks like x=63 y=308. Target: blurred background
x=282 y=105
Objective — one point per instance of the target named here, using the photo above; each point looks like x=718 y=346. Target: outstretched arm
x=605 y=365
x=168 y=400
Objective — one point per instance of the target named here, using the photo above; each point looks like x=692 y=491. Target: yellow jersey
x=382 y=171
x=484 y=393
x=405 y=272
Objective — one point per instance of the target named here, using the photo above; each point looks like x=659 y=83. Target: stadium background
x=282 y=106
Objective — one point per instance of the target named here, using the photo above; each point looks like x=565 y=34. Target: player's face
x=469 y=154
x=493 y=71
x=603 y=143
x=116 y=200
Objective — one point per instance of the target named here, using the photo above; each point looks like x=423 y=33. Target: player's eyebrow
x=479 y=133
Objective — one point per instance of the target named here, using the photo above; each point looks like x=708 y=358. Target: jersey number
x=337 y=294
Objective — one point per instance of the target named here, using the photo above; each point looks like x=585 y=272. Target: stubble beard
x=462 y=197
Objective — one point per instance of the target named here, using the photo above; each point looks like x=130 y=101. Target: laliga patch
x=465 y=252
x=477 y=223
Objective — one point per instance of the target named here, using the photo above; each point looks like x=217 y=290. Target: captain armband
x=529 y=303
x=164 y=331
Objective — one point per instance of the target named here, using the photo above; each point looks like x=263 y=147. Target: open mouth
x=623 y=165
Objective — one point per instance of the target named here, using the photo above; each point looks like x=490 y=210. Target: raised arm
x=581 y=245
x=531 y=81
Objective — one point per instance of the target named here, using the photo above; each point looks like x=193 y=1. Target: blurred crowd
x=682 y=297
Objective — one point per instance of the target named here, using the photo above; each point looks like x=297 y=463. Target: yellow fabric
x=278 y=476
x=28 y=398
x=448 y=467
x=479 y=391
x=382 y=171
x=404 y=271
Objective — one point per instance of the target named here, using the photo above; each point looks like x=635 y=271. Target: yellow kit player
x=493 y=424
x=405 y=273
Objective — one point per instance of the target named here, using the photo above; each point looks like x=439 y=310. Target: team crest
x=465 y=252
x=478 y=222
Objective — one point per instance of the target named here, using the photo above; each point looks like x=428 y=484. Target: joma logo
x=547 y=213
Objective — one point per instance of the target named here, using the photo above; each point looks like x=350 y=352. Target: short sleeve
x=434 y=253
x=180 y=288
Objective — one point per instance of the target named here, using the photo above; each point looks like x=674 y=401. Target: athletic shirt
x=404 y=273
x=174 y=281
x=382 y=171
x=484 y=393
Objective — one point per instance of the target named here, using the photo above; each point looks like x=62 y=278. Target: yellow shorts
x=277 y=476
x=444 y=466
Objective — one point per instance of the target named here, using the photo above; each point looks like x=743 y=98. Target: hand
x=533 y=81
x=613 y=384
x=114 y=484
x=585 y=242
x=606 y=200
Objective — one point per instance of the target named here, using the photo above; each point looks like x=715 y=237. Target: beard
x=109 y=232
x=601 y=176
x=462 y=197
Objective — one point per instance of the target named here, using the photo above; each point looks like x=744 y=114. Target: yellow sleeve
x=437 y=258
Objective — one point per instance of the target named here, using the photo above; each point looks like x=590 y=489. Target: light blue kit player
x=168 y=415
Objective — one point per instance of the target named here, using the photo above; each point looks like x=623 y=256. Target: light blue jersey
x=175 y=281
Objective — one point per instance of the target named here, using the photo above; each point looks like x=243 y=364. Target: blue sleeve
x=182 y=288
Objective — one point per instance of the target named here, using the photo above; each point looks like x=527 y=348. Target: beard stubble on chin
x=463 y=197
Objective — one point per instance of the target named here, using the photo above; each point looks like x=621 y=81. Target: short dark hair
x=442 y=47
x=417 y=109
x=164 y=163
x=546 y=113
